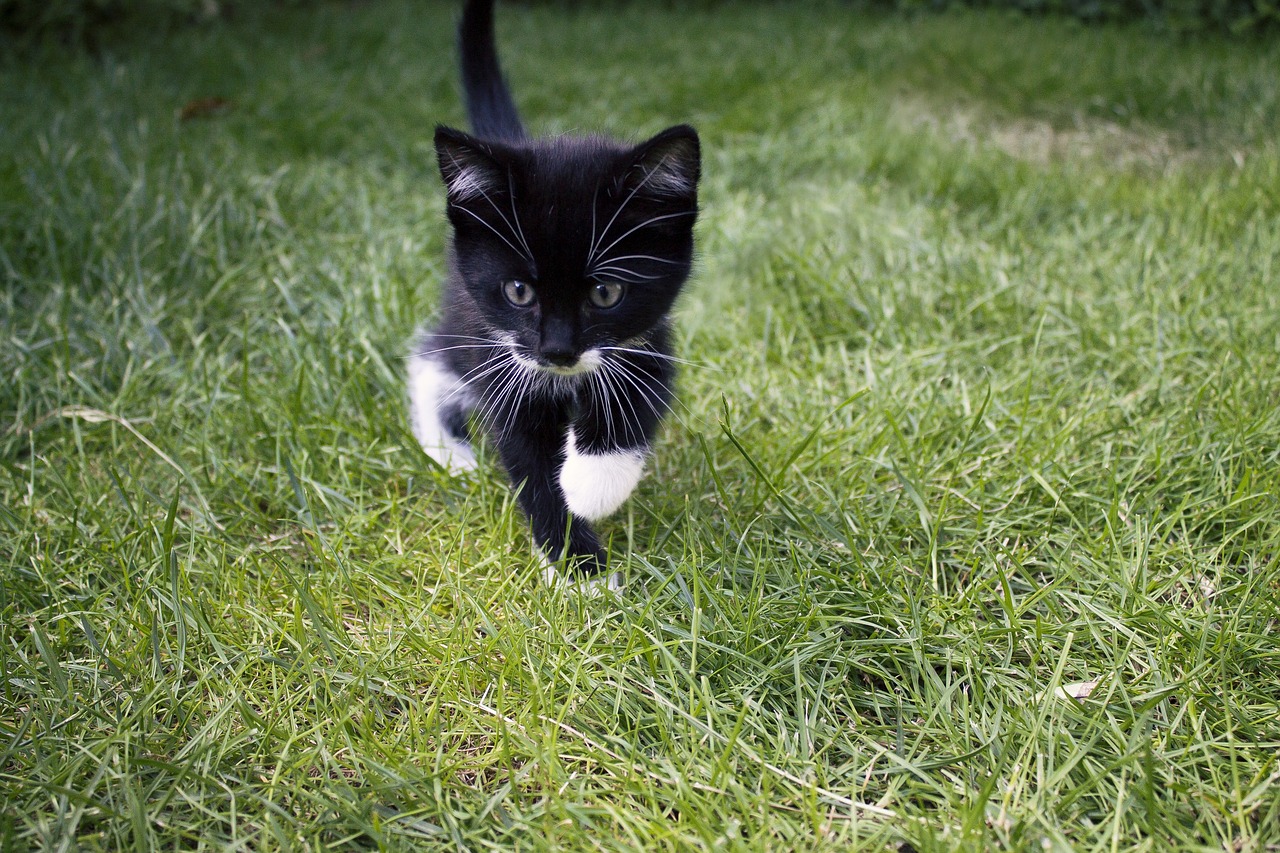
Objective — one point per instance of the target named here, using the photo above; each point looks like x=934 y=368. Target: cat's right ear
x=468 y=166
x=668 y=165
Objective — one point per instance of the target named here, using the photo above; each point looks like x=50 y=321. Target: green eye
x=519 y=294
x=606 y=294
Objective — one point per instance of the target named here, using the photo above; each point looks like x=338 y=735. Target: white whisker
x=641 y=384
x=466 y=337
x=615 y=370
x=661 y=355
x=622 y=274
x=669 y=401
x=426 y=352
x=478 y=218
x=485 y=368
x=595 y=242
x=650 y=221
x=607 y=396
x=591 y=252
x=465 y=186
x=653 y=258
x=591 y=245
x=515 y=217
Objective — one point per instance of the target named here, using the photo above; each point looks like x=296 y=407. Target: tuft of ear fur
x=468 y=166
x=668 y=165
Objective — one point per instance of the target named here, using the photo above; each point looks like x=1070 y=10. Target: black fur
x=489 y=104
x=567 y=217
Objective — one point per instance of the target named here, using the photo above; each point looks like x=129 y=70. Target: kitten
x=567 y=255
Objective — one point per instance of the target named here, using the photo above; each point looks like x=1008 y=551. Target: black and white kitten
x=566 y=258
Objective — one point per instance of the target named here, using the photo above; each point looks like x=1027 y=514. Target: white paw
x=596 y=484
x=591 y=587
x=429 y=384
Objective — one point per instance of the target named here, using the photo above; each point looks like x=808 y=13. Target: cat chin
x=596 y=484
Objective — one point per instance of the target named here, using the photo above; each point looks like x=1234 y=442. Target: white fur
x=467 y=182
x=669 y=180
x=429 y=384
x=589 y=587
x=596 y=484
x=588 y=362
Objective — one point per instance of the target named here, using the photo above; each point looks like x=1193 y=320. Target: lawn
x=965 y=532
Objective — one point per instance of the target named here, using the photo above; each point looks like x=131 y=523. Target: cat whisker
x=500 y=354
x=592 y=253
x=600 y=380
x=515 y=217
x=653 y=258
x=468 y=338
x=495 y=393
x=498 y=392
x=428 y=352
x=633 y=373
x=486 y=368
x=661 y=355
x=645 y=394
x=615 y=394
x=595 y=242
x=591 y=244
x=642 y=384
x=478 y=218
x=510 y=396
x=516 y=231
x=484 y=344
x=493 y=399
x=613 y=398
x=650 y=221
x=612 y=263
x=622 y=274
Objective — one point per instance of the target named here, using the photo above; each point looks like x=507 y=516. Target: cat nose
x=556 y=344
x=560 y=357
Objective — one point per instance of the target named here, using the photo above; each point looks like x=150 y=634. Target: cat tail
x=489 y=105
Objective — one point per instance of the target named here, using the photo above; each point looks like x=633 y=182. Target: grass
x=988 y=408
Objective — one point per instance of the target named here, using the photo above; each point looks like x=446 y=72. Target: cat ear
x=468 y=166
x=668 y=165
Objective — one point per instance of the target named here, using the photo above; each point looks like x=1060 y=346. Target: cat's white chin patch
x=429 y=384
x=588 y=362
x=596 y=484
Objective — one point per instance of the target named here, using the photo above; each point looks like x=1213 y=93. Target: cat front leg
x=439 y=404
x=531 y=456
x=606 y=446
x=597 y=479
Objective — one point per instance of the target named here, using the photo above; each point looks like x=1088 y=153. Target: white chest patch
x=430 y=384
x=596 y=484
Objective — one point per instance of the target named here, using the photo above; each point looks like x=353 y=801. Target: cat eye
x=519 y=293
x=606 y=294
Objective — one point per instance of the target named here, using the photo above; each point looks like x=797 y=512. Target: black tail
x=489 y=105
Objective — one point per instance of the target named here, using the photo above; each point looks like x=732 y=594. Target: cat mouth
x=586 y=363
x=577 y=369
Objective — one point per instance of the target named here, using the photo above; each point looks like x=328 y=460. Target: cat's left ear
x=468 y=165
x=668 y=165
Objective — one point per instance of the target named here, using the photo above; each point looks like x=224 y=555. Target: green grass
x=988 y=403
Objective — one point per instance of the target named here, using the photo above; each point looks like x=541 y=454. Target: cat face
x=569 y=245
